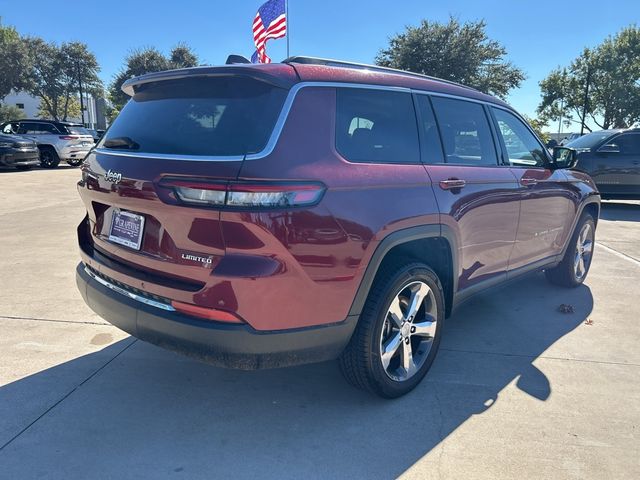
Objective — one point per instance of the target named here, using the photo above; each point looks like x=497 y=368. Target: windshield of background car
x=590 y=140
x=226 y=116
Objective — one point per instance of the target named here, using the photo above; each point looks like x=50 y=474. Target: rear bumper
x=227 y=345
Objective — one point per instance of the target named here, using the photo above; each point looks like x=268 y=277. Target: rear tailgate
x=189 y=129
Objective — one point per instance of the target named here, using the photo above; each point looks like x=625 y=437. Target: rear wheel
x=398 y=333
x=573 y=268
x=48 y=157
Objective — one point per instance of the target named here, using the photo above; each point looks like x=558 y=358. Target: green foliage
x=148 y=60
x=613 y=70
x=453 y=51
x=56 y=72
x=68 y=107
x=13 y=61
x=538 y=125
x=10 y=112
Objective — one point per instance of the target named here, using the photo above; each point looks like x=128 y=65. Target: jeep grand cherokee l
x=259 y=216
x=56 y=141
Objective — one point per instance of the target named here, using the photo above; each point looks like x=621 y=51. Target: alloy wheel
x=409 y=330
x=584 y=251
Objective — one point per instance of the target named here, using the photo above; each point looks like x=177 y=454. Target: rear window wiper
x=121 y=142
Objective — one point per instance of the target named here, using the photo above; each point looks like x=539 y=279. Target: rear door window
x=629 y=144
x=431 y=145
x=199 y=116
x=466 y=135
x=377 y=126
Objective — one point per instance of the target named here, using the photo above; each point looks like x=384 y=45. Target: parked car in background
x=570 y=138
x=612 y=159
x=18 y=152
x=277 y=214
x=57 y=141
x=96 y=134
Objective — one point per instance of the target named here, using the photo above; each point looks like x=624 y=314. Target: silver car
x=57 y=141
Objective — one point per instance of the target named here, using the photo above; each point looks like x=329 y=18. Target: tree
x=612 y=72
x=538 y=125
x=56 y=73
x=10 y=112
x=453 y=51
x=148 y=60
x=13 y=61
x=68 y=107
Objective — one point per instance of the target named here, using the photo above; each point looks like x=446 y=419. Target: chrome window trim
x=133 y=296
x=284 y=114
x=169 y=156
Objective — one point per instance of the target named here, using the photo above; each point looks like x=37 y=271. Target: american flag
x=270 y=22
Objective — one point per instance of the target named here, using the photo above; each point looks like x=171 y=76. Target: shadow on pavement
x=618 y=211
x=62 y=166
x=153 y=414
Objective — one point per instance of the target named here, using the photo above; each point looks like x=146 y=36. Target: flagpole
x=286 y=10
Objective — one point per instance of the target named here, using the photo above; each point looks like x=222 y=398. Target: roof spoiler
x=259 y=73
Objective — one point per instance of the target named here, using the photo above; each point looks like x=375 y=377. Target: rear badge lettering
x=206 y=262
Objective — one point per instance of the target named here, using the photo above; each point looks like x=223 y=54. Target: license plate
x=126 y=229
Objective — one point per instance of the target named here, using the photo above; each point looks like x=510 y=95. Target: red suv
x=259 y=216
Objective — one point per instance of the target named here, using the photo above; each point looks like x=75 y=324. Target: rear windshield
x=201 y=116
x=76 y=130
x=590 y=140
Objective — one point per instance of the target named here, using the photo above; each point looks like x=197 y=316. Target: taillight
x=68 y=137
x=206 y=313
x=245 y=194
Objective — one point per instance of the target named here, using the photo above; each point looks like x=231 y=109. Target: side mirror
x=564 y=157
x=609 y=148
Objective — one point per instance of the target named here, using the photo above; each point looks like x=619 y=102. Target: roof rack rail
x=341 y=63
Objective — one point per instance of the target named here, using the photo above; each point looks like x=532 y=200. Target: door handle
x=526 y=181
x=452 y=184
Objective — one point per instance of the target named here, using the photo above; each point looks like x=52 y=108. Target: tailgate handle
x=452 y=184
x=526 y=181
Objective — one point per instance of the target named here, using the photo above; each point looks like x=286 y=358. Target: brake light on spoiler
x=240 y=194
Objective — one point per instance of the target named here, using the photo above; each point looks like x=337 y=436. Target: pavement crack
x=36 y=319
x=67 y=395
x=544 y=357
x=619 y=253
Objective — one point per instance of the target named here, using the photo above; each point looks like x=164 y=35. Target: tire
x=75 y=163
x=363 y=364
x=48 y=157
x=574 y=267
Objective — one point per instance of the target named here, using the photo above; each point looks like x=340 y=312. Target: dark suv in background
x=259 y=216
x=612 y=159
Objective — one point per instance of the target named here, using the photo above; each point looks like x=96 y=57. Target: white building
x=94 y=114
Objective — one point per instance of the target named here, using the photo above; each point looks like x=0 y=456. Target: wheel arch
x=434 y=245
x=590 y=205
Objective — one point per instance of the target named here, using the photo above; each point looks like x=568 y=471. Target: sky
x=538 y=35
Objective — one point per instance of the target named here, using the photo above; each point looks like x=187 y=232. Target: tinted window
x=213 y=116
x=522 y=147
x=466 y=136
x=77 y=130
x=590 y=140
x=431 y=145
x=376 y=126
x=36 y=128
x=629 y=143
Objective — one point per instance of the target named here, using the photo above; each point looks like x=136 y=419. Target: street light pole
x=586 y=99
x=80 y=88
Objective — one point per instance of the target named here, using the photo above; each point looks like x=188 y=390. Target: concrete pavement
x=519 y=390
